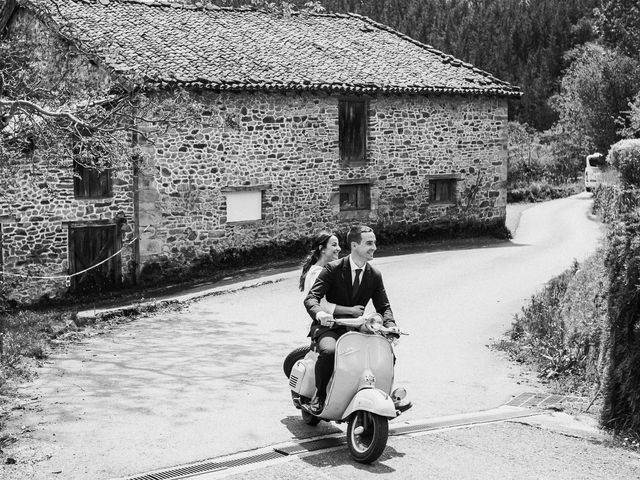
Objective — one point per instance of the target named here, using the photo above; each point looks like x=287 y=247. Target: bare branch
x=30 y=107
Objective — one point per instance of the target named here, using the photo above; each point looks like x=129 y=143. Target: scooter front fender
x=371 y=400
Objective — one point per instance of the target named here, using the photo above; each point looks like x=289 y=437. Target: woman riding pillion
x=325 y=248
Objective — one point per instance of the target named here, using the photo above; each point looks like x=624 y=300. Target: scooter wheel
x=291 y=359
x=367 y=435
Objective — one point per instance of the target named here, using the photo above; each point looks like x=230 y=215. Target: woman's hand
x=356 y=311
x=325 y=319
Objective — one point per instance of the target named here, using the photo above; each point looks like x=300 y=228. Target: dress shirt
x=355 y=267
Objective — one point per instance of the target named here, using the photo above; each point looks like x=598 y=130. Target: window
x=442 y=190
x=244 y=206
x=355 y=197
x=352 y=130
x=90 y=182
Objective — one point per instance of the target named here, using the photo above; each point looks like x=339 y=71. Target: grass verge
x=558 y=332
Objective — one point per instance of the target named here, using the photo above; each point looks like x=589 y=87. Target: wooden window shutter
x=89 y=182
x=353 y=130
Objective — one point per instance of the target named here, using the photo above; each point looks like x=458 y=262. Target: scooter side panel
x=303 y=377
x=356 y=355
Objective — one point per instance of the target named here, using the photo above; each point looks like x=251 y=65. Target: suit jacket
x=334 y=282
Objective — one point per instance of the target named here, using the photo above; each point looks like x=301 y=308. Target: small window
x=352 y=130
x=244 y=206
x=90 y=181
x=442 y=191
x=355 y=197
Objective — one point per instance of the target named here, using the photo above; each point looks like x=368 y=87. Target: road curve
x=181 y=386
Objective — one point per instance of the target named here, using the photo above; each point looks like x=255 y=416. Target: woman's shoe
x=315 y=406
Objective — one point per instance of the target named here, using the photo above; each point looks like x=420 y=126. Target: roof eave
x=511 y=92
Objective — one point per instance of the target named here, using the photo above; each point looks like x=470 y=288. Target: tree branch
x=30 y=107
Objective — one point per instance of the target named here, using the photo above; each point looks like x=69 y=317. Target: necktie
x=356 y=282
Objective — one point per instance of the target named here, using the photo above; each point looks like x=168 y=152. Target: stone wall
x=287 y=145
x=37 y=206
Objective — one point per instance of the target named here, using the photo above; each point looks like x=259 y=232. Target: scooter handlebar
x=372 y=323
x=392 y=330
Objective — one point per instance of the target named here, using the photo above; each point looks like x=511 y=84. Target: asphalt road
x=502 y=451
x=176 y=387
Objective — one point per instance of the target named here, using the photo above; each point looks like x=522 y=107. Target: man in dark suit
x=350 y=282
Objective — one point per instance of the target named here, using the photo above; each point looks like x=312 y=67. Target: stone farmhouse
x=295 y=123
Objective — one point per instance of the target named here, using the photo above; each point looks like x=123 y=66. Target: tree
x=619 y=24
x=630 y=122
x=64 y=115
x=595 y=92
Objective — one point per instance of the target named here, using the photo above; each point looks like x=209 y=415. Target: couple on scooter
x=342 y=288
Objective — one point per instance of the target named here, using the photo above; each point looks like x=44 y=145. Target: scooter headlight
x=398 y=394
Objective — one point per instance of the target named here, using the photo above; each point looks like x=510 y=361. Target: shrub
x=611 y=201
x=584 y=314
x=622 y=343
x=625 y=157
x=559 y=331
x=539 y=332
x=531 y=158
x=540 y=191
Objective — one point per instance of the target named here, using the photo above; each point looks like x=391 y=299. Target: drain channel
x=335 y=440
x=540 y=400
x=206 y=467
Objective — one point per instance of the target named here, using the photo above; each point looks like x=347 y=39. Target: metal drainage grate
x=312 y=445
x=215 y=466
x=206 y=467
x=538 y=400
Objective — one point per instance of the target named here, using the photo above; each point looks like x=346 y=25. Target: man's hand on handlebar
x=393 y=334
x=393 y=331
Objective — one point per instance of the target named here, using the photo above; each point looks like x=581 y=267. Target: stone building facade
x=286 y=147
x=242 y=166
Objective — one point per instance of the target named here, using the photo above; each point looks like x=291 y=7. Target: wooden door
x=88 y=246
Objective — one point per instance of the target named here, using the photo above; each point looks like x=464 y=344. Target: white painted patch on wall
x=244 y=206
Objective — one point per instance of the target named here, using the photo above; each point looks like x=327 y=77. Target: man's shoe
x=314 y=407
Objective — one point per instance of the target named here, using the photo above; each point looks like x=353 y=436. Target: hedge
x=621 y=409
x=624 y=156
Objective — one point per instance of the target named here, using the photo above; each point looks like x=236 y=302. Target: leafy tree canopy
x=619 y=23
x=595 y=91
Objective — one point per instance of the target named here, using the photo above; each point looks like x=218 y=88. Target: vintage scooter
x=359 y=391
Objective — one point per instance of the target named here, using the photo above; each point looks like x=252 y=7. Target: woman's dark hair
x=319 y=243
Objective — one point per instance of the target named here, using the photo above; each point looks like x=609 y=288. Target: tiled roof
x=247 y=49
